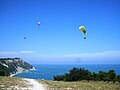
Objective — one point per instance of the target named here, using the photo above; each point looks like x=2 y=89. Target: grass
x=13 y=83
x=80 y=85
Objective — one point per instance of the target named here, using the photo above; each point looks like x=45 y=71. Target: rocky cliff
x=11 y=66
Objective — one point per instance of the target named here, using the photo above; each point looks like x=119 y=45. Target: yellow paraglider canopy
x=83 y=29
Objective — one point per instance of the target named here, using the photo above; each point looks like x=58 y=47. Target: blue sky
x=58 y=39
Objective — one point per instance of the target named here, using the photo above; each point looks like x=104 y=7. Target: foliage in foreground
x=78 y=74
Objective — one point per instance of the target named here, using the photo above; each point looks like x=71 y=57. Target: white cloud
x=106 y=57
x=8 y=53
x=16 y=53
x=105 y=54
x=83 y=58
x=27 y=52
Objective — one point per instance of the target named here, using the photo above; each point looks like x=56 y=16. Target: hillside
x=11 y=66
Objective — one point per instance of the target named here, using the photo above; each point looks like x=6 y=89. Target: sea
x=47 y=72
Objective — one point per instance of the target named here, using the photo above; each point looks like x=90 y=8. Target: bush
x=118 y=78
x=59 y=77
x=94 y=76
x=111 y=75
x=77 y=74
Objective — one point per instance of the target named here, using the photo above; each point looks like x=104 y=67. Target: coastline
x=33 y=68
x=20 y=70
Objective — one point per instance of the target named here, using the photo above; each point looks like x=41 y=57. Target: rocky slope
x=11 y=66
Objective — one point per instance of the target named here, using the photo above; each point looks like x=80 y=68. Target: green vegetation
x=118 y=78
x=79 y=85
x=78 y=74
x=9 y=58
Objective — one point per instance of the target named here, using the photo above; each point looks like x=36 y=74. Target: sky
x=58 y=39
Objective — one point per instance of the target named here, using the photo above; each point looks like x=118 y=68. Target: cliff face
x=12 y=66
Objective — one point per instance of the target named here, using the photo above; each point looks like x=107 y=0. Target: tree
x=77 y=74
x=112 y=75
x=59 y=77
x=94 y=76
x=102 y=75
x=118 y=78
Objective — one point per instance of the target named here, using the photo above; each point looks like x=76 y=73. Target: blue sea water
x=48 y=71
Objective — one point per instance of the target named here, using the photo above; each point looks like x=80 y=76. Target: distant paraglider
x=38 y=25
x=25 y=38
x=83 y=30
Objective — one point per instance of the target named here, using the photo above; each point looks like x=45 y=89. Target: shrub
x=77 y=74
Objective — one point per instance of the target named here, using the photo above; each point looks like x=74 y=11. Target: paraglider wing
x=24 y=37
x=38 y=24
x=83 y=30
